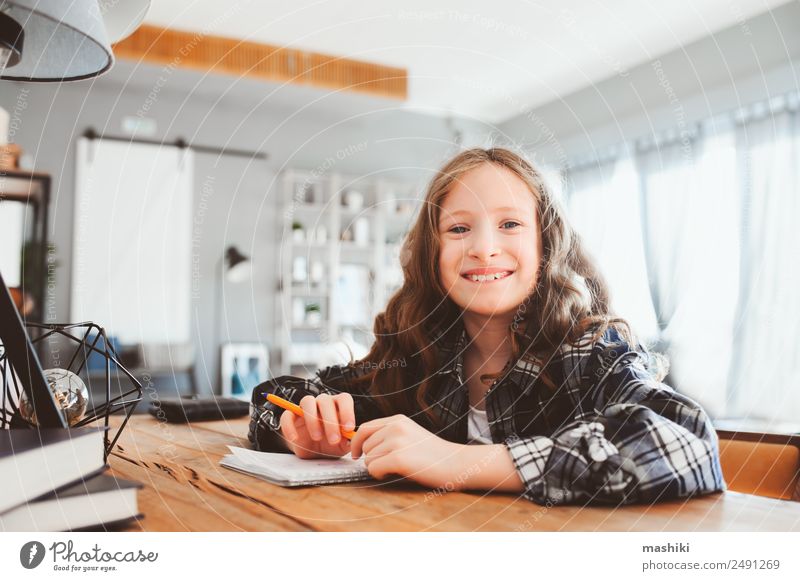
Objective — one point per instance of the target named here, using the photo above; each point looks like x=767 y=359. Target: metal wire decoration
x=83 y=340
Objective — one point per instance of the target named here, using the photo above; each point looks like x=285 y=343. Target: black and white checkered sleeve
x=264 y=427
x=639 y=441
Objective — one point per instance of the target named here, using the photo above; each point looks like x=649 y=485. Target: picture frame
x=243 y=366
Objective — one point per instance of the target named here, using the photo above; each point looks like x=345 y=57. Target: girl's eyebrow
x=468 y=213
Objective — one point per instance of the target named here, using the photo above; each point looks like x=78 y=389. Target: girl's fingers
x=363 y=433
x=377 y=451
x=346 y=409
x=371 y=443
x=287 y=426
x=309 y=406
x=343 y=446
x=381 y=467
x=330 y=418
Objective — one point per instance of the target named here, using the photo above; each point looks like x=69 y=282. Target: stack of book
x=54 y=480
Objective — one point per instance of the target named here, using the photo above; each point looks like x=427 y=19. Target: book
x=96 y=501
x=36 y=461
x=289 y=470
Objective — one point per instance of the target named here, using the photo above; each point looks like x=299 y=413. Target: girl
x=501 y=336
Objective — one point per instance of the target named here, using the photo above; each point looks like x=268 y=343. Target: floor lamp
x=234 y=267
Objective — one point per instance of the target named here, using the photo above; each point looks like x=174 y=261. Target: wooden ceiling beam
x=228 y=56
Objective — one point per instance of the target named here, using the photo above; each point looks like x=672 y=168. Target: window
x=603 y=206
x=698 y=240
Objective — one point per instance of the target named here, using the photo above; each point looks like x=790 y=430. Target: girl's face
x=490 y=241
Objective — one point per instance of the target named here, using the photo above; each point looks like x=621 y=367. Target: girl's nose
x=483 y=246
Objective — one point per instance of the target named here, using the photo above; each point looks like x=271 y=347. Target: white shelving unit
x=345 y=261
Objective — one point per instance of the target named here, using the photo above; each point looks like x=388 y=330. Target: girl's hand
x=317 y=434
x=398 y=445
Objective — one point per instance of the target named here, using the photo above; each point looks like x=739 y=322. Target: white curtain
x=699 y=242
x=132 y=244
x=690 y=219
x=765 y=376
x=554 y=180
x=603 y=206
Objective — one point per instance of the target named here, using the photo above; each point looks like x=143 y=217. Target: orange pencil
x=297 y=410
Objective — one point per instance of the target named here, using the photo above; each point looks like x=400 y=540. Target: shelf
x=300 y=289
x=363 y=211
x=309 y=208
x=399 y=223
x=21 y=186
x=32 y=191
x=303 y=344
x=309 y=292
x=363 y=327
x=308 y=327
x=353 y=247
x=309 y=246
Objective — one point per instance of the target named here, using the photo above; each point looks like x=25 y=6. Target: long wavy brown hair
x=569 y=298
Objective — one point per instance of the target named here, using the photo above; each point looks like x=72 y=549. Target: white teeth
x=486 y=277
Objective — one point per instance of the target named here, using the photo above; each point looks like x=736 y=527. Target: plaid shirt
x=608 y=433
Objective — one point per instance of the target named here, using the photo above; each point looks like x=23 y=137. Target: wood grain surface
x=242 y=58
x=185 y=489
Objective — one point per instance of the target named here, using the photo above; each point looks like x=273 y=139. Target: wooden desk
x=186 y=490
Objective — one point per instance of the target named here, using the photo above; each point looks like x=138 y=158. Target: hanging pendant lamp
x=60 y=40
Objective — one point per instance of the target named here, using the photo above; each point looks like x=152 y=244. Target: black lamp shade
x=11 y=40
x=237 y=265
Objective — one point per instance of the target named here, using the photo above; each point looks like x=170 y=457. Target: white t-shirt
x=478 y=427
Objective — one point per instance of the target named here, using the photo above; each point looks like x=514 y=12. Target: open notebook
x=289 y=470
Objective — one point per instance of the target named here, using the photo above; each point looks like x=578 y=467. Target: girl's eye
x=454 y=228
x=510 y=222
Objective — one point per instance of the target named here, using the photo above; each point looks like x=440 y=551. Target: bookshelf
x=339 y=260
x=24 y=200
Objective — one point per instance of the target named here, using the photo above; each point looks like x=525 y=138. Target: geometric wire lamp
x=121 y=391
x=84 y=354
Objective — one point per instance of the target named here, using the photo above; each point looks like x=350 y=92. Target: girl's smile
x=487 y=275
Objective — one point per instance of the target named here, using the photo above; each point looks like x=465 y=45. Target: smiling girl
x=499 y=366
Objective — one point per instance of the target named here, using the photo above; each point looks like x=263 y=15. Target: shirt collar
x=452 y=343
x=525 y=372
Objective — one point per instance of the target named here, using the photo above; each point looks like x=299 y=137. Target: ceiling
x=476 y=59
